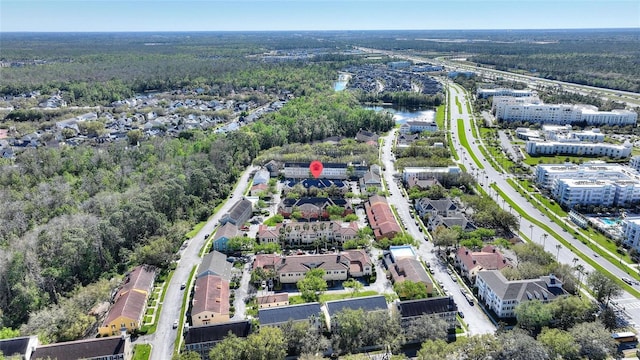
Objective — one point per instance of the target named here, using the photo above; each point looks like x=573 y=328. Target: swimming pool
x=609 y=221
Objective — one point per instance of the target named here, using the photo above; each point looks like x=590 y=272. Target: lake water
x=402 y=115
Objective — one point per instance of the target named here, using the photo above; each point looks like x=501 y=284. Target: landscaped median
x=462 y=137
x=567 y=244
x=141 y=351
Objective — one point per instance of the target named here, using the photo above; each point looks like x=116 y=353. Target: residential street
x=478 y=322
x=162 y=341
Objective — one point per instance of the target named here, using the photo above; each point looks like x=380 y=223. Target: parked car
x=461 y=314
x=175 y=324
x=183 y=286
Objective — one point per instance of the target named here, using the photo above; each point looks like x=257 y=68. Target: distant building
x=502 y=296
x=306 y=233
x=486 y=93
x=614 y=151
x=424 y=173
x=403 y=264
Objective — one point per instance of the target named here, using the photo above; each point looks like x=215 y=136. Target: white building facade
x=614 y=151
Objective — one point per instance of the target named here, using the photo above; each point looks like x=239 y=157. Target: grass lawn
x=293 y=300
x=440 y=114
x=141 y=352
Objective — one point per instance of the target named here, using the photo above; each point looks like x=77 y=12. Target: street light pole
x=531 y=228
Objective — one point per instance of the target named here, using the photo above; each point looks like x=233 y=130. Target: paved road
x=163 y=339
x=488 y=175
x=478 y=322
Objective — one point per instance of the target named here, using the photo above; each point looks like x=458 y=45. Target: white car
x=175 y=324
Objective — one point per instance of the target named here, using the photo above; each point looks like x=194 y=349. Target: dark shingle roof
x=14 y=346
x=368 y=303
x=420 y=307
x=283 y=314
x=217 y=332
x=82 y=349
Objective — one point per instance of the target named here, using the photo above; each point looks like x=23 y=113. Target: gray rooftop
x=368 y=303
x=282 y=314
x=215 y=263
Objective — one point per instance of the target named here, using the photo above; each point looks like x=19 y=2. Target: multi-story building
x=306 y=233
x=239 y=213
x=442 y=307
x=615 y=151
x=486 y=93
x=471 y=262
x=381 y=218
x=111 y=348
x=562 y=114
x=337 y=266
x=631 y=231
x=130 y=302
x=329 y=170
x=278 y=316
x=502 y=296
x=425 y=173
x=545 y=174
x=202 y=339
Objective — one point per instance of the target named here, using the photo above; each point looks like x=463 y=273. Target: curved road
x=488 y=175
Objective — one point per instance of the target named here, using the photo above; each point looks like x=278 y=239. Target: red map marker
x=316 y=168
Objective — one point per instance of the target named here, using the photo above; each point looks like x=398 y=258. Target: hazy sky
x=223 y=15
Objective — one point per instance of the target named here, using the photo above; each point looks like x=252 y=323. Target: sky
x=269 y=15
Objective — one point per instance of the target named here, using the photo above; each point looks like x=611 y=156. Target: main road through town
x=477 y=321
x=162 y=341
x=487 y=174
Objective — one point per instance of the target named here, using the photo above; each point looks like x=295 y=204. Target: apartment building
x=487 y=93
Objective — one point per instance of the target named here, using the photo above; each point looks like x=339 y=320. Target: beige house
x=306 y=233
x=210 y=301
x=273 y=300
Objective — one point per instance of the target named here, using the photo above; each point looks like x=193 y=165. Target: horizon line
x=301 y=30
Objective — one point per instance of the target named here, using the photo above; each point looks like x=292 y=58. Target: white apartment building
x=485 y=93
x=634 y=163
x=631 y=231
x=614 y=151
x=499 y=101
x=572 y=192
x=564 y=133
x=502 y=296
x=545 y=174
x=411 y=127
x=562 y=114
x=425 y=173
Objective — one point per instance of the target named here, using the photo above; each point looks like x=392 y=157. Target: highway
x=476 y=319
x=162 y=341
x=486 y=175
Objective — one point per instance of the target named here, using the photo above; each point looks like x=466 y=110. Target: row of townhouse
x=130 y=302
x=306 y=233
x=29 y=348
x=381 y=218
x=211 y=292
x=312 y=208
x=337 y=266
x=342 y=171
x=320 y=316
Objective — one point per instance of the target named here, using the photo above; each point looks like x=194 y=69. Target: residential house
x=502 y=296
x=403 y=264
x=306 y=233
x=202 y=339
x=223 y=235
x=215 y=263
x=278 y=316
x=470 y=262
x=370 y=179
x=421 y=183
x=381 y=218
x=443 y=307
x=239 y=213
x=210 y=301
x=130 y=302
x=406 y=139
x=110 y=348
x=449 y=222
x=258 y=189
x=367 y=304
x=418 y=126
x=426 y=207
x=273 y=167
x=19 y=347
x=367 y=136
x=273 y=300
x=261 y=177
